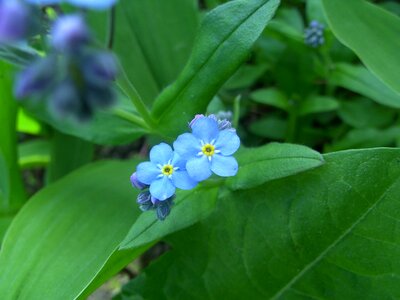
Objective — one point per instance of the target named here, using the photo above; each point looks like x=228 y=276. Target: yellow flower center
x=208 y=149
x=167 y=170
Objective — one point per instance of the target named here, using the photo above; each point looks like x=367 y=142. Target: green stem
x=236 y=111
x=14 y=196
x=111 y=29
x=291 y=133
x=131 y=118
x=129 y=90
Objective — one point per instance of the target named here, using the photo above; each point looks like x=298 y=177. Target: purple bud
x=100 y=68
x=14 y=17
x=136 y=183
x=144 y=201
x=65 y=99
x=195 y=120
x=69 y=33
x=224 y=124
x=36 y=78
x=163 y=208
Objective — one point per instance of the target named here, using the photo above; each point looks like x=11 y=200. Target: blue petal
x=199 y=168
x=187 y=146
x=227 y=142
x=179 y=162
x=182 y=180
x=43 y=2
x=161 y=154
x=224 y=165
x=162 y=188
x=205 y=129
x=147 y=172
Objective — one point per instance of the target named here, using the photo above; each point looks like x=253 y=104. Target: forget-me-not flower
x=208 y=149
x=165 y=172
x=314 y=34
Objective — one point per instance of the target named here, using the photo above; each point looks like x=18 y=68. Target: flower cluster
x=74 y=77
x=196 y=156
x=314 y=34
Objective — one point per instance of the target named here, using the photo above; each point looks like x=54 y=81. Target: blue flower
x=164 y=173
x=208 y=149
x=91 y=4
x=314 y=34
x=69 y=33
x=14 y=21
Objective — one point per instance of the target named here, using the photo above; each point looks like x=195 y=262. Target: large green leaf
x=153 y=40
x=190 y=207
x=223 y=43
x=259 y=165
x=371 y=32
x=62 y=238
x=358 y=79
x=330 y=233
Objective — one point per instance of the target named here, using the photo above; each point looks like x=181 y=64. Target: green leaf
x=273 y=161
x=27 y=124
x=364 y=113
x=153 y=40
x=378 y=45
x=223 y=43
x=8 y=145
x=358 y=79
x=34 y=154
x=318 y=104
x=75 y=225
x=271 y=96
x=65 y=159
x=330 y=233
x=246 y=76
x=20 y=55
x=367 y=138
x=190 y=207
x=315 y=11
x=271 y=127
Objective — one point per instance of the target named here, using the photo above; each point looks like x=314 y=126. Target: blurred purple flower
x=90 y=4
x=14 y=21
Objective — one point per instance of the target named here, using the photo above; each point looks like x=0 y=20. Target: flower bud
x=195 y=119
x=144 y=201
x=14 y=19
x=100 y=68
x=65 y=99
x=36 y=78
x=136 y=183
x=314 y=34
x=69 y=33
